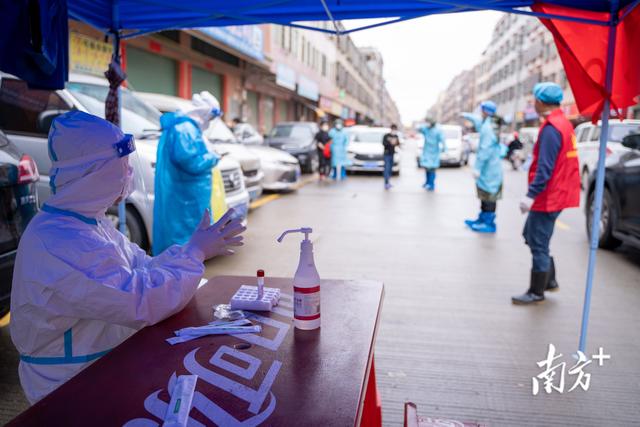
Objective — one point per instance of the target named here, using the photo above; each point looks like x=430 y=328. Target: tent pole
x=604 y=136
x=115 y=23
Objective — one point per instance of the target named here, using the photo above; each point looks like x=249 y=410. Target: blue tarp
x=34 y=44
x=34 y=41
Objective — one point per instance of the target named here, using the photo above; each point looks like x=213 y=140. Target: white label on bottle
x=306 y=303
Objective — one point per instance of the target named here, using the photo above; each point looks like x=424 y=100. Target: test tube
x=260 y=284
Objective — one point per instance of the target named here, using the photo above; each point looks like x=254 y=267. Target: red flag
x=583 y=51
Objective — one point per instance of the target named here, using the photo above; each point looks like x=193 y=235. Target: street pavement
x=450 y=340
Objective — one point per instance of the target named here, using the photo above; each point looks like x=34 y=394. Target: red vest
x=563 y=188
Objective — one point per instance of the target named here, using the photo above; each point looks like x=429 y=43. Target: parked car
x=588 y=138
x=26 y=115
x=297 y=139
x=457 y=149
x=366 y=151
x=620 y=218
x=18 y=204
x=279 y=171
x=220 y=136
x=246 y=134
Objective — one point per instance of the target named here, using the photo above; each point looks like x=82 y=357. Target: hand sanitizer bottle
x=306 y=285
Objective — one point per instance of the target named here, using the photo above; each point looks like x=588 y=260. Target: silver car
x=87 y=93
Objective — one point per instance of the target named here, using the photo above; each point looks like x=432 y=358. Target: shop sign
x=246 y=39
x=308 y=88
x=88 y=55
x=285 y=77
x=325 y=103
x=336 y=109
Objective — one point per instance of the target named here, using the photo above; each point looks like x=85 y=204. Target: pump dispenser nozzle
x=305 y=230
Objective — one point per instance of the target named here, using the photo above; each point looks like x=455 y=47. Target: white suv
x=588 y=141
x=26 y=115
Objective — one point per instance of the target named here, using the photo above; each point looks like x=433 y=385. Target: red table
x=280 y=377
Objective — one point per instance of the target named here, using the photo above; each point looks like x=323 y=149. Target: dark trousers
x=388 y=167
x=324 y=164
x=537 y=234
x=486 y=206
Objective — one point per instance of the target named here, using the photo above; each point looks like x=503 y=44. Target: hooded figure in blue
x=488 y=167
x=183 y=174
x=434 y=144
x=339 y=156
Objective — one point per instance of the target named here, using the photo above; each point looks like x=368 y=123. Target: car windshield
x=137 y=116
x=452 y=133
x=296 y=132
x=370 y=136
x=219 y=132
x=619 y=131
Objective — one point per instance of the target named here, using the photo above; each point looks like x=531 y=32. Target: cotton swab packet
x=181 y=398
x=218 y=327
x=246 y=298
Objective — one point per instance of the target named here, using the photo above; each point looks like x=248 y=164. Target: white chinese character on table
x=601 y=357
x=549 y=374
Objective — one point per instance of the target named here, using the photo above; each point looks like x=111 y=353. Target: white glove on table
x=209 y=240
x=525 y=204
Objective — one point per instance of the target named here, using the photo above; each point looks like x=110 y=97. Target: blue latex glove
x=209 y=240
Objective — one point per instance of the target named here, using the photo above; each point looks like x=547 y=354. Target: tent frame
x=448 y=6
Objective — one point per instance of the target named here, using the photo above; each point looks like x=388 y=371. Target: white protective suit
x=80 y=287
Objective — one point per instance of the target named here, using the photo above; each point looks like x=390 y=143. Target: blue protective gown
x=434 y=144
x=339 y=144
x=488 y=157
x=182 y=181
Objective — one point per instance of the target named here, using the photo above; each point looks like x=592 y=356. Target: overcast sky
x=422 y=55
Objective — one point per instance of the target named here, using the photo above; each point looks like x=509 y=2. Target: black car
x=18 y=204
x=297 y=139
x=620 y=219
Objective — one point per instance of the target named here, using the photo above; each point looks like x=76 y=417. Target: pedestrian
x=183 y=174
x=339 y=146
x=554 y=185
x=80 y=287
x=390 y=141
x=487 y=169
x=323 y=146
x=434 y=144
x=514 y=145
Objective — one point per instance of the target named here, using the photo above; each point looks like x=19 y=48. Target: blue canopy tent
x=130 y=18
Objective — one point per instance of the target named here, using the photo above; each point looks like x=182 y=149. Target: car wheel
x=607 y=220
x=134 y=228
x=584 y=180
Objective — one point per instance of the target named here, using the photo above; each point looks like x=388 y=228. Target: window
x=595 y=135
x=617 y=132
x=28 y=111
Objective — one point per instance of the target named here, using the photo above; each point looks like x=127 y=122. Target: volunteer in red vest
x=554 y=185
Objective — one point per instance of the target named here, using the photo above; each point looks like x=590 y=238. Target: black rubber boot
x=552 y=284
x=535 y=294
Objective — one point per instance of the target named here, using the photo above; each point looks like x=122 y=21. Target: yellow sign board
x=88 y=55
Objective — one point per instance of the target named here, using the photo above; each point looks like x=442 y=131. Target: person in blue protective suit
x=487 y=169
x=80 y=287
x=434 y=144
x=339 y=145
x=183 y=174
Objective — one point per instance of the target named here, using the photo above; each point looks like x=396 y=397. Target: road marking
x=562 y=226
x=271 y=197
x=5 y=320
x=264 y=200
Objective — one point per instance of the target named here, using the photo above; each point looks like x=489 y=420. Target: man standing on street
x=554 y=185
x=434 y=144
x=390 y=142
x=322 y=139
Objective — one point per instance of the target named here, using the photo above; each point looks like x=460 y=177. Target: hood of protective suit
x=87 y=176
